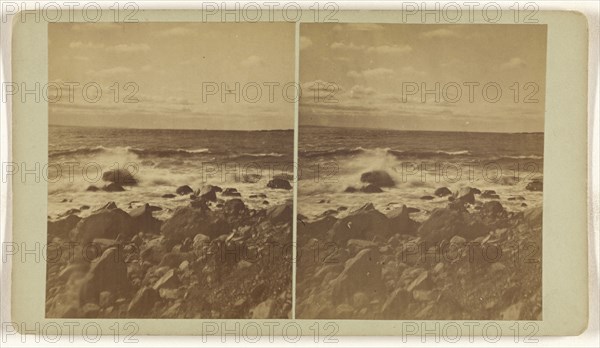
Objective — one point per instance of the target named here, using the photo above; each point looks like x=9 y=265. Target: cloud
x=390 y=49
x=110 y=72
x=369 y=73
x=305 y=42
x=358 y=26
x=129 y=48
x=252 y=61
x=513 y=63
x=176 y=31
x=344 y=46
x=359 y=91
x=383 y=49
x=89 y=44
x=439 y=34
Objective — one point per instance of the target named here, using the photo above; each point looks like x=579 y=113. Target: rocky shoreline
x=471 y=259
x=213 y=258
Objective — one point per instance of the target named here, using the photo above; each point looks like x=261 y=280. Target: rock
x=84 y=207
x=107 y=273
x=516 y=198
x=442 y=192
x=534 y=216
x=357 y=245
x=263 y=310
x=107 y=206
x=496 y=267
x=421 y=282
x=378 y=178
x=475 y=191
x=363 y=223
x=371 y=189
x=62 y=228
x=284 y=176
x=90 y=310
x=523 y=204
x=76 y=268
x=280 y=213
x=234 y=207
x=465 y=195
x=396 y=304
x=113 y=187
x=265 y=202
x=251 y=178
x=105 y=223
x=168 y=195
x=143 y=219
x=535 y=185
x=200 y=241
x=278 y=183
x=143 y=301
x=400 y=222
x=184 y=190
x=444 y=223
x=350 y=189
x=361 y=273
x=489 y=194
x=119 y=176
x=70 y=212
x=154 y=250
x=106 y=299
x=209 y=193
x=231 y=192
x=92 y=188
x=187 y=222
x=168 y=281
x=427 y=198
x=492 y=208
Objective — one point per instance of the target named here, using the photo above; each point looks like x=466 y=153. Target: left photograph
x=170 y=170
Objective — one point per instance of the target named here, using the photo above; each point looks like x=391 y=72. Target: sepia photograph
x=170 y=150
x=422 y=152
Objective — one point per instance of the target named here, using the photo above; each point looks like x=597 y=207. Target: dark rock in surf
x=113 y=187
x=371 y=189
x=209 y=193
x=427 y=198
x=442 y=192
x=92 y=188
x=535 y=185
x=168 y=195
x=379 y=178
x=278 y=183
x=350 y=189
x=120 y=176
x=184 y=190
x=231 y=192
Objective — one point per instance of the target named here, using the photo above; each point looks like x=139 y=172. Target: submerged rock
x=535 y=185
x=442 y=192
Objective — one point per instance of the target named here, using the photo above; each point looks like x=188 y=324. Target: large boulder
x=280 y=213
x=234 y=207
x=107 y=273
x=209 y=193
x=106 y=224
x=362 y=273
x=364 y=223
x=400 y=222
x=444 y=223
x=62 y=227
x=184 y=190
x=442 y=192
x=119 y=176
x=464 y=195
x=187 y=222
x=143 y=219
x=378 y=178
x=278 y=183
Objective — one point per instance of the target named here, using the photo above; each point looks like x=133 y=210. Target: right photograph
x=420 y=171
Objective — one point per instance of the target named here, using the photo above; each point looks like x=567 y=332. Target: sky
x=163 y=75
x=379 y=75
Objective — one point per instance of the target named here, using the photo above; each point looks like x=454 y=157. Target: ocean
x=161 y=161
x=332 y=159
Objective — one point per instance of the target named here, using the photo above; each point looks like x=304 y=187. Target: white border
x=589 y=338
